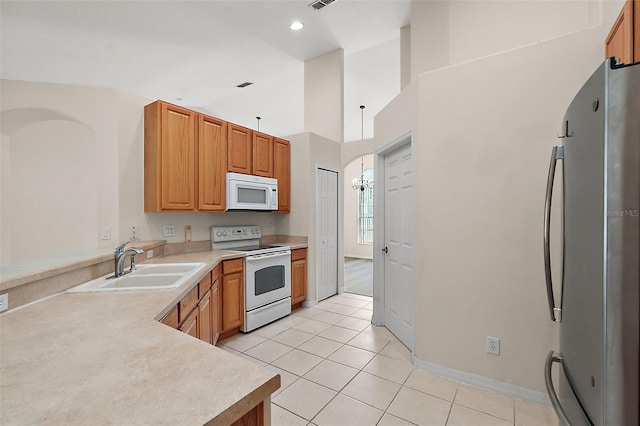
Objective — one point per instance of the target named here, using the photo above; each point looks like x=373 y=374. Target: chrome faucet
x=119 y=256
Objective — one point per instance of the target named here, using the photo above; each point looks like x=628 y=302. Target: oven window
x=269 y=279
x=252 y=196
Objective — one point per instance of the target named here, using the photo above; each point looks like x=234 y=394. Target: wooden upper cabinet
x=170 y=157
x=262 y=154
x=212 y=163
x=620 y=41
x=282 y=172
x=239 y=152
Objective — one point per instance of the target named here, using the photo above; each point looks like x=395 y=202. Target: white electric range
x=267 y=273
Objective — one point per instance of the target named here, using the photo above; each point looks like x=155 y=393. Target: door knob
x=386 y=249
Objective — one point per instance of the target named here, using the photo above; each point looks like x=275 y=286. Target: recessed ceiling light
x=296 y=26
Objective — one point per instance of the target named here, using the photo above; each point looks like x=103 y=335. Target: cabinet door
x=204 y=318
x=619 y=42
x=239 y=151
x=212 y=163
x=215 y=311
x=171 y=319
x=177 y=158
x=169 y=157
x=190 y=325
x=232 y=301
x=298 y=276
x=282 y=172
x=262 y=154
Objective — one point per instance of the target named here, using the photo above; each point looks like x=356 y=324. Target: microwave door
x=251 y=196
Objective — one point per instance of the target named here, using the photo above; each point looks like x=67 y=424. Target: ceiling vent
x=245 y=84
x=319 y=4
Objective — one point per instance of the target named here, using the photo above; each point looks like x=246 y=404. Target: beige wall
x=350 y=235
x=451 y=32
x=324 y=95
x=77 y=165
x=482 y=133
x=309 y=151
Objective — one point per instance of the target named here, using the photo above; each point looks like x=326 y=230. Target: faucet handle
x=120 y=248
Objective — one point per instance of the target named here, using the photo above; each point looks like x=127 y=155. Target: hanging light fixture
x=360 y=182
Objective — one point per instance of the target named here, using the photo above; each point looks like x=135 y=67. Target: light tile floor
x=337 y=369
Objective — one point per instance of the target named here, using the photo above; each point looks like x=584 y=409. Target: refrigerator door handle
x=553 y=396
x=554 y=310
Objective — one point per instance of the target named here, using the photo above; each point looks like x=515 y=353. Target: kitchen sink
x=145 y=277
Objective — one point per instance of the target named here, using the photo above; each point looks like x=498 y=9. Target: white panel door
x=327 y=226
x=398 y=264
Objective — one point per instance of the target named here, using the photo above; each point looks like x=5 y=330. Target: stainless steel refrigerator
x=597 y=294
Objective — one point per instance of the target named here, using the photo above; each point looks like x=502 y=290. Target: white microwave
x=249 y=192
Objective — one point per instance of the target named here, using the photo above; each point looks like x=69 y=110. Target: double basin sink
x=144 y=277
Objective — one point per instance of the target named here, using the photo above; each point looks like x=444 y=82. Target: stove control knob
x=224 y=233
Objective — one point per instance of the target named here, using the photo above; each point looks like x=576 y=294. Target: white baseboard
x=484 y=382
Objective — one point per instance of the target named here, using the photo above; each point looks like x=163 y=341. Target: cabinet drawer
x=188 y=303
x=215 y=273
x=298 y=254
x=231 y=266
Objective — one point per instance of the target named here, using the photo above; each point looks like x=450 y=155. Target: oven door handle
x=267 y=256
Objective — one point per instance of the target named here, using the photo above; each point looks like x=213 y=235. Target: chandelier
x=360 y=182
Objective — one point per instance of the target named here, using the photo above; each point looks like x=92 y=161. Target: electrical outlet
x=493 y=345
x=168 y=230
x=4 y=302
x=105 y=233
x=149 y=254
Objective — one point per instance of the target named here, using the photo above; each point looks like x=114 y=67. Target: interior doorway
x=394 y=266
x=358 y=205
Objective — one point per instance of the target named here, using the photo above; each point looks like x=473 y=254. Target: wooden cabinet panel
x=171 y=319
x=619 y=42
x=239 y=152
x=205 y=331
x=232 y=301
x=636 y=31
x=254 y=417
x=262 y=154
x=170 y=157
x=298 y=276
x=235 y=265
x=212 y=163
x=190 y=325
x=215 y=312
x=188 y=303
x=282 y=172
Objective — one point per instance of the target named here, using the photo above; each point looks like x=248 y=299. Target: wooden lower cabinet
x=255 y=417
x=215 y=312
x=298 y=276
x=205 y=331
x=190 y=324
x=232 y=301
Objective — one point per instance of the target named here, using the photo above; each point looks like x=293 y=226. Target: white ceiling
x=194 y=53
